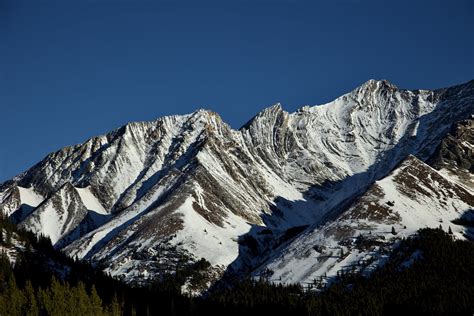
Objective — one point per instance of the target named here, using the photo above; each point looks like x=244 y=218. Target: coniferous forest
x=439 y=282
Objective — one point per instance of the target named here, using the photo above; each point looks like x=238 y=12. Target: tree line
x=439 y=280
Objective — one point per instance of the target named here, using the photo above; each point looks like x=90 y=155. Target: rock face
x=457 y=149
x=455 y=154
x=413 y=196
x=151 y=194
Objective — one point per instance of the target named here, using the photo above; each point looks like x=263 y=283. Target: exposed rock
x=194 y=184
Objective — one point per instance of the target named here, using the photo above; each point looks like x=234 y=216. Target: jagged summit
x=373 y=83
x=190 y=186
x=270 y=111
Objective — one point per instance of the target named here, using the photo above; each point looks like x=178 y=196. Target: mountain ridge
x=194 y=184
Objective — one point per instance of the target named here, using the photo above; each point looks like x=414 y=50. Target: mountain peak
x=206 y=118
x=271 y=111
x=277 y=107
x=189 y=184
x=202 y=111
x=377 y=84
x=205 y=114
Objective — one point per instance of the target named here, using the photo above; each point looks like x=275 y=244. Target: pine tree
x=15 y=298
x=114 y=307
x=450 y=231
x=3 y=305
x=393 y=231
x=58 y=298
x=44 y=301
x=69 y=299
x=5 y=267
x=82 y=302
x=31 y=306
x=96 y=302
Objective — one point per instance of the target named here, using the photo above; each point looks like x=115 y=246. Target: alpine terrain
x=290 y=197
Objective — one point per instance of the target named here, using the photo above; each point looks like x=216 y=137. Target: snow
x=466 y=180
x=278 y=171
x=90 y=201
x=82 y=247
x=57 y=215
x=281 y=188
x=300 y=262
x=414 y=131
x=49 y=224
x=12 y=250
x=424 y=210
x=218 y=245
x=30 y=197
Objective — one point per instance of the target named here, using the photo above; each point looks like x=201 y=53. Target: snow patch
x=218 y=245
x=90 y=201
x=30 y=197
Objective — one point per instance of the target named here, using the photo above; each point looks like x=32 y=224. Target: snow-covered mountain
x=151 y=194
x=413 y=196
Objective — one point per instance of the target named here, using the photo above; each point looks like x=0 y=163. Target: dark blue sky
x=71 y=69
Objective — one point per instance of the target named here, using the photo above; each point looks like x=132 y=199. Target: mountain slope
x=413 y=196
x=455 y=155
x=185 y=187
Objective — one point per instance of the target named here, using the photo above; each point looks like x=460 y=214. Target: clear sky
x=72 y=69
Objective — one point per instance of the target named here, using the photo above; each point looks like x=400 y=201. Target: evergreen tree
x=393 y=231
x=96 y=302
x=31 y=306
x=58 y=306
x=114 y=307
x=430 y=286
x=450 y=231
x=3 y=305
x=5 y=269
x=14 y=297
x=44 y=300
x=82 y=301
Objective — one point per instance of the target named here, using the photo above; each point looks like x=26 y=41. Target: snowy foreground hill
x=292 y=197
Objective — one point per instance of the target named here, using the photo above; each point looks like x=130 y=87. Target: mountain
x=455 y=155
x=44 y=281
x=413 y=196
x=151 y=195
